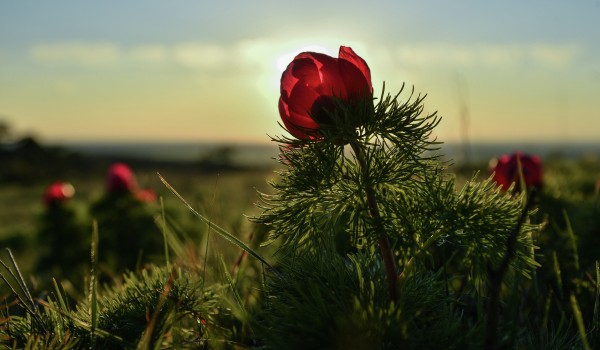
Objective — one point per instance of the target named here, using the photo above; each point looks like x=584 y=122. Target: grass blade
x=572 y=239
x=236 y=294
x=20 y=280
x=580 y=323
x=164 y=232
x=222 y=232
x=24 y=296
x=558 y=274
x=596 y=317
x=94 y=283
x=61 y=300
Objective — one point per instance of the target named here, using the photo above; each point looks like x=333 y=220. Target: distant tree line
x=24 y=160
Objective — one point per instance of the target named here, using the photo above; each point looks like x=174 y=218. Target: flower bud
x=313 y=82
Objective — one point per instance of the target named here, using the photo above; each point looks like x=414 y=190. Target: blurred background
x=81 y=74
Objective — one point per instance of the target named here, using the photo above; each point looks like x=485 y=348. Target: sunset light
x=210 y=68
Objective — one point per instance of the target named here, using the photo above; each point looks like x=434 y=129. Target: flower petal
x=331 y=83
x=305 y=69
x=295 y=123
x=355 y=72
x=301 y=98
x=288 y=80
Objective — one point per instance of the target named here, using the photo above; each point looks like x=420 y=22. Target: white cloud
x=499 y=55
x=249 y=53
x=199 y=56
x=555 y=55
x=83 y=53
x=487 y=54
x=433 y=53
x=149 y=54
x=204 y=56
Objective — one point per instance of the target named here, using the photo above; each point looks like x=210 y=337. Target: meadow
x=226 y=196
x=566 y=254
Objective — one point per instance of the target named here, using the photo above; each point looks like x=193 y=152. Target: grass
x=566 y=283
x=223 y=197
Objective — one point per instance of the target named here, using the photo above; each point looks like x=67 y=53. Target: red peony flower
x=506 y=170
x=311 y=82
x=120 y=178
x=146 y=195
x=58 y=192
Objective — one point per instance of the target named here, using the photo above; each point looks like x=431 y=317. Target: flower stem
x=383 y=240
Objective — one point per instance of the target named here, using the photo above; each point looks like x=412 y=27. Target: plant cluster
x=128 y=234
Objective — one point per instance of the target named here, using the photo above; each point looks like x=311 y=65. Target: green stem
x=383 y=240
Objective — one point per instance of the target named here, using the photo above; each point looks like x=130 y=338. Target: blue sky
x=203 y=71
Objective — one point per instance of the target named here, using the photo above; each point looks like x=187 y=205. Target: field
x=225 y=196
x=568 y=210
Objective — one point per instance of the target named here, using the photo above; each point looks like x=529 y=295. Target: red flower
x=146 y=195
x=506 y=170
x=58 y=192
x=312 y=80
x=120 y=178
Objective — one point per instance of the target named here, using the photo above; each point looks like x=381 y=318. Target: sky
x=203 y=71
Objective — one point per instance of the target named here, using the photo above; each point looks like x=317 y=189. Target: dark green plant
x=379 y=190
x=154 y=309
x=322 y=300
x=62 y=242
x=128 y=234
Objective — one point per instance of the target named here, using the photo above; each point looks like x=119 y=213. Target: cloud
x=259 y=54
x=241 y=55
x=555 y=55
x=203 y=56
x=149 y=54
x=487 y=54
x=195 y=55
x=83 y=53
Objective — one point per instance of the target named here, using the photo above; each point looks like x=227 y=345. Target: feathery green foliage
x=326 y=301
x=341 y=193
x=154 y=309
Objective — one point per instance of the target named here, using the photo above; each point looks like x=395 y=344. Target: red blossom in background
x=146 y=195
x=506 y=170
x=312 y=80
x=120 y=178
x=58 y=192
